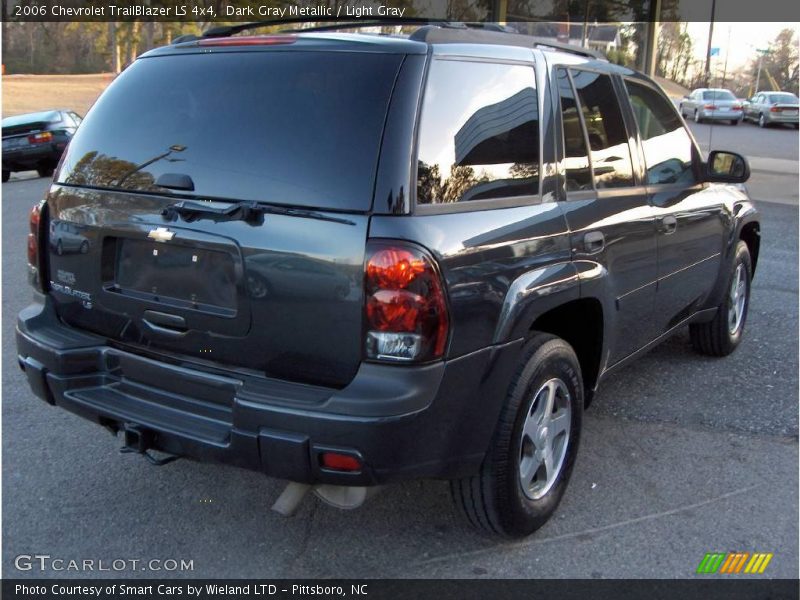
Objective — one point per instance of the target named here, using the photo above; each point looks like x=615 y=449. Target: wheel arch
x=580 y=323
x=750 y=234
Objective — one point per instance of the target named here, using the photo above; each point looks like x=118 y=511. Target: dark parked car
x=36 y=141
x=486 y=224
x=768 y=108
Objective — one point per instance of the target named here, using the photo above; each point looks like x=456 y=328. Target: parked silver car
x=766 y=108
x=712 y=104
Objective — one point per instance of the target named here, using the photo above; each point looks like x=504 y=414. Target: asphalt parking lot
x=681 y=455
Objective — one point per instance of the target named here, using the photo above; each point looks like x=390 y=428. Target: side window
x=608 y=140
x=576 y=156
x=667 y=146
x=479 y=133
x=76 y=118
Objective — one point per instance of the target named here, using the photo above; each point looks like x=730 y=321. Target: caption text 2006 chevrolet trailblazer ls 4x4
x=350 y=259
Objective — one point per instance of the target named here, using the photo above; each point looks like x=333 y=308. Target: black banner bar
x=734 y=588
x=209 y=11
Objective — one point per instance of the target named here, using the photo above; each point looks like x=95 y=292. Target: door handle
x=164 y=323
x=594 y=241
x=668 y=224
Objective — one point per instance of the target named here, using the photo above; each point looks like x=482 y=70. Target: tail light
x=775 y=109
x=249 y=40
x=42 y=137
x=406 y=308
x=710 y=107
x=34 y=237
x=736 y=107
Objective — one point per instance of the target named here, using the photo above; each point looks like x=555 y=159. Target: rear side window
x=479 y=133
x=285 y=127
x=667 y=146
x=576 y=156
x=608 y=140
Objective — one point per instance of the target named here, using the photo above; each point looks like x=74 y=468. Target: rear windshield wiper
x=250 y=212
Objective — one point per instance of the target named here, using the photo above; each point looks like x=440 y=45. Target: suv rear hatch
x=214 y=205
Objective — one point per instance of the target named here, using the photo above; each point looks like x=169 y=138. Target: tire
x=60 y=248
x=719 y=337
x=734 y=121
x=45 y=171
x=6 y=175
x=762 y=122
x=795 y=125
x=680 y=109
x=697 y=118
x=84 y=247
x=494 y=501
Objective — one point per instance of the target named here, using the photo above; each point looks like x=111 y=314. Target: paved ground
x=681 y=456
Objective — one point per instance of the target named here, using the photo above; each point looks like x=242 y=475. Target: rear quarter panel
x=501 y=267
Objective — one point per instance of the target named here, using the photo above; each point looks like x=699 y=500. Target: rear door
x=161 y=255
x=609 y=217
x=690 y=217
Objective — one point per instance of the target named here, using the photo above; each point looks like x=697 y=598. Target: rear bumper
x=432 y=421
x=31 y=157
x=780 y=118
x=715 y=115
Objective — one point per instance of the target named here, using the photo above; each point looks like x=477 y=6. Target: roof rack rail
x=588 y=52
x=228 y=30
x=430 y=31
x=475 y=34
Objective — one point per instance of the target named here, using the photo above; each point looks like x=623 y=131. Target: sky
x=739 y=40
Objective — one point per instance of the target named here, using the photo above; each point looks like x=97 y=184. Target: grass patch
x=31 y=93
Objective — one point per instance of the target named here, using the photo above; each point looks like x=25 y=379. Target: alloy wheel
x=545 y=436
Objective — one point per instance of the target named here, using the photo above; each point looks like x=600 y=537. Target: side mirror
x=727 y=167
x=686 y=97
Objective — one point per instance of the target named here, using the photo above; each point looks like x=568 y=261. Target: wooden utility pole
x=708 y=50
x=727 y=52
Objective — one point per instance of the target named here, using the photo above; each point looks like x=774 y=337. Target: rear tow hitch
x=139 y=441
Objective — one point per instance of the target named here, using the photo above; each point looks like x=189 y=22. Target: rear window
x=783 y=98
x=718 y=95
x=49 y=116
x=297 y=128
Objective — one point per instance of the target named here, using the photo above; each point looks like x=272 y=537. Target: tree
x=781 y=62
x=674 y=51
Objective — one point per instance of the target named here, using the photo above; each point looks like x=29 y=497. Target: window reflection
x=667 y=147
x=608 y=140
x=479 y=133
x=576 y=156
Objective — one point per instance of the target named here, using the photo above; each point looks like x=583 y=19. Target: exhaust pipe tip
x=344 y=497
x=290 y=498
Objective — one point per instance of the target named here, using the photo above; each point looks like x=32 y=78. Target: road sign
x=714 y=52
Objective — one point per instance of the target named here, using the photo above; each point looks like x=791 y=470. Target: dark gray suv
x=351 y=259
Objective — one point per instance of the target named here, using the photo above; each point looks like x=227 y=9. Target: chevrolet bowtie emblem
x=161 y=234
